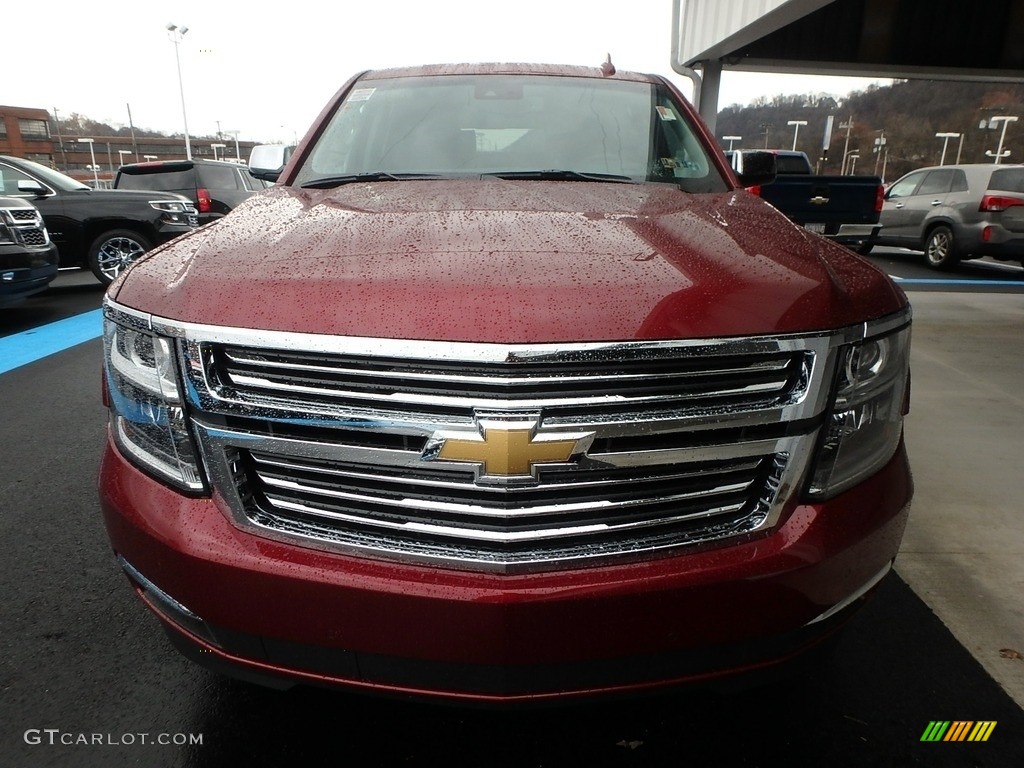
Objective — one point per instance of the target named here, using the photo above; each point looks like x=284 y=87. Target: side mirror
x=32 y=187
x=754 y=168
x=267 y=161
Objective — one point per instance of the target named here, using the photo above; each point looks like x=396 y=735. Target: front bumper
x=280 y=613
x=27 y=274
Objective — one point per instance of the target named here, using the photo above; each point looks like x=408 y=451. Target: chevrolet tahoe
x=506 y=391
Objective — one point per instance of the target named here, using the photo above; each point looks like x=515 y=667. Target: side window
x=219 y=177
x=9 y=178
x=959 y=182
x=906 y=186
x=936 y=183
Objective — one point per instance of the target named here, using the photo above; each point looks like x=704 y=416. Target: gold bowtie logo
x=506 y=449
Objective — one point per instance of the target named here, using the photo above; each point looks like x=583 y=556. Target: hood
x=508 y=262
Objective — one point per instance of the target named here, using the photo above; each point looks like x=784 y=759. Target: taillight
x=203 y=195
x=996 y=203
x=879 y=198
x=755 y=190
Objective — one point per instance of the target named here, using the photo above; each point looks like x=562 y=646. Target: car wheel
x=113 y=251
x=940 y=249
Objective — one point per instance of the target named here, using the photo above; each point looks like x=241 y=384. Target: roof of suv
x=503 y=69
x=174 y=165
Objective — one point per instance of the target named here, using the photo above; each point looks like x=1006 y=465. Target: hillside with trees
x=909 y=114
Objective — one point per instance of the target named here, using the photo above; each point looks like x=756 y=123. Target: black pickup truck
x=99 y=229
x=842 y=208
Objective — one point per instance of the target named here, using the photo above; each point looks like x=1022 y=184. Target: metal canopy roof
x=929 y=39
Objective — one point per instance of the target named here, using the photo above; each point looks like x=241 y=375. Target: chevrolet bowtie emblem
x=506 y=449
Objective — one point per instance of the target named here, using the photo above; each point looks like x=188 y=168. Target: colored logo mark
x=958 y=730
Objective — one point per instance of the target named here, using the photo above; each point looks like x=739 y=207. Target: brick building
x=34 y=135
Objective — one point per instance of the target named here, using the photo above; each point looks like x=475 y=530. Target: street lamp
x=147 y=158
x=176 y=33
x=1006 y=120
x=880 y=150
x=120 y=155
x=215 y=147
x=92 y=154
x=731 y=139
x=796 y=129
x=945 y=141
x=235 y=134
x=851 y=157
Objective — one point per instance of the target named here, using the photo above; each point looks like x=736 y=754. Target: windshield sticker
x=665 y=113
x=361 y=94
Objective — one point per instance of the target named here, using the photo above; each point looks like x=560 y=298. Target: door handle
x=936 y=202
x=898 y=205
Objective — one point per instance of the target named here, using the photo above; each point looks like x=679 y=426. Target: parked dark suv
x=28 y=260
x=214 y=186
x=954 y=212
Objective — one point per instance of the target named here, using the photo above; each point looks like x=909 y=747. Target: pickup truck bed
x=843 y=208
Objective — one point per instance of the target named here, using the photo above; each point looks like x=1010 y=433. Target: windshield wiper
x=556 y=174
x=336 y=181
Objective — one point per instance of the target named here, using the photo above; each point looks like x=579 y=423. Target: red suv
x=507 y=391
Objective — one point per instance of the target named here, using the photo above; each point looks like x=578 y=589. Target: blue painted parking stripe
x=28 y=346
x=953 y=281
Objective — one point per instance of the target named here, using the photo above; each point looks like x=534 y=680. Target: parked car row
x=954 y=212
x=106 y=230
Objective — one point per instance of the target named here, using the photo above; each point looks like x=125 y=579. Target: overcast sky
x=266 y=70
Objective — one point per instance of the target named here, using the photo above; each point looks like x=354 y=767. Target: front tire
x=940 y=248
x=113 y=251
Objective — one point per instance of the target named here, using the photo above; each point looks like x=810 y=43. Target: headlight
x=863 y=428
x=170 y=206
x=175 y=212
x=147 y=415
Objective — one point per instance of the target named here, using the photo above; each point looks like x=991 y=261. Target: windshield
x=511 y=124
x=53 y=178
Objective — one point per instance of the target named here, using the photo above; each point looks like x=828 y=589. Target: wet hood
x=508 y=261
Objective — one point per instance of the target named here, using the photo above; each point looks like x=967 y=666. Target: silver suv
x=954 y=212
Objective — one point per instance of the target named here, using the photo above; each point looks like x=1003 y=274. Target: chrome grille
x=571 y=514
x=332 y=442
x=583 y=385
x=34 y=236
x=26 y=226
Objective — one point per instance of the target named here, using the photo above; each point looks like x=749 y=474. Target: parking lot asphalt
x=963 y=552
x=81 y=657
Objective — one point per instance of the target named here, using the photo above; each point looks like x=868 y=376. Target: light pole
x=945 y=141
x=851 y=158
x=215 y=147
x=147 y=158
x=176 y=34
x=235 y=134
x=63 y=154
x=1005 y=120
x=92 y=154
x=879 y=149
x=120 y=155
x=796 y=129
x=731 y=139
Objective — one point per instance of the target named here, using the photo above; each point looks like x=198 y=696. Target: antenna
x=608 y=69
